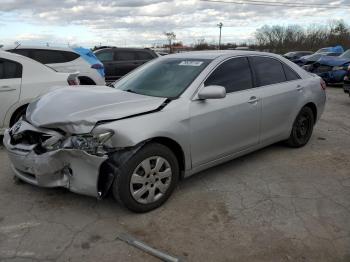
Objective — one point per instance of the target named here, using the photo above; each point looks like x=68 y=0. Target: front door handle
x=253 y=100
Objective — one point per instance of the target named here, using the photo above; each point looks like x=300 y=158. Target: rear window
x=10 y=69
x=290 y=73
x=268 y=71
x=52 y=56
x=143 y=55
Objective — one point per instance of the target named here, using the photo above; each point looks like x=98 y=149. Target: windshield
x=314 y=57
x=290 y=54
x=163 y=77
x=346 y=54
x=323 y=50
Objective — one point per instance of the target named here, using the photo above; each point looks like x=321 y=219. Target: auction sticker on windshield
x=191 y=63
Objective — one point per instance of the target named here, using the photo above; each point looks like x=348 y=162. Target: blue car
x=331 y=69
x=310 y=59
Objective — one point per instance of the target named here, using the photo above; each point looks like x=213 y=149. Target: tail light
x=73 y=82
x=323 y=84
x=97 y=66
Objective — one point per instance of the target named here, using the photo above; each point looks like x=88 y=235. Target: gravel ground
x=277 y=204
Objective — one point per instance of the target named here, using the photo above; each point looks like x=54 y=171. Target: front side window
x=268 y=71
x=163 y=77
x=234 y=75
x=105 y=56
x=10 y=69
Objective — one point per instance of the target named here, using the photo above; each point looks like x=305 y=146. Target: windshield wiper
x=131 y=91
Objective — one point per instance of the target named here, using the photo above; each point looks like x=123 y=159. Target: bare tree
x=170 y=36
x=282 y=39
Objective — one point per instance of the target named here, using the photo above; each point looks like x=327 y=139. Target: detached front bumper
x=73 y=169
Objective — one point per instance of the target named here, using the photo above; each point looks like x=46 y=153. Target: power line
x=277 y=3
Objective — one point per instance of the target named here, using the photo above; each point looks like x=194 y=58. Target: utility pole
x=220 y=26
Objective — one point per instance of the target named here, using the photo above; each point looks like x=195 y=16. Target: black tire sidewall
x=293 y=140
x=121 y=186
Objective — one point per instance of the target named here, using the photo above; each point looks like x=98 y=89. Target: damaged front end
x=51 y=158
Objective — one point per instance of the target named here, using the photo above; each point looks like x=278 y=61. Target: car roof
x=38 y=47
x=213 y=54
x=124 y=49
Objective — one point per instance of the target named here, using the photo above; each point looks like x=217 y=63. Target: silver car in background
x=170 y=118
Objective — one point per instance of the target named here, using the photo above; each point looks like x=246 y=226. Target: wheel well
x=84 y=80
x=313 y=107
x=106 y=178
x=173 y=146
x=14 y=115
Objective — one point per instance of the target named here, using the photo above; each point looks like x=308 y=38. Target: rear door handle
x=6 y=88
x=299 y=88
x=253 y=100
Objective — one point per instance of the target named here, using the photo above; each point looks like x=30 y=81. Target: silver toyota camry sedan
x=170 y=118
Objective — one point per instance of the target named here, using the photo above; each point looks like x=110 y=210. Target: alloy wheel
x=150 y=180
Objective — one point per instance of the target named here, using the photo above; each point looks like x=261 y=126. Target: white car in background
x=91 y=70
x=23 y=80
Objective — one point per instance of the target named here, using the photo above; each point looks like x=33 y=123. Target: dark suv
x=120 y=61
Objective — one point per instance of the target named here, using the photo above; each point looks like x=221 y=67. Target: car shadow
x=53 y=195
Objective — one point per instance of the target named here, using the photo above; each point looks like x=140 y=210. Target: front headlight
x=91 y=143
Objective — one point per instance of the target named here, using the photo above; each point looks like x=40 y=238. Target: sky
x=142 y=23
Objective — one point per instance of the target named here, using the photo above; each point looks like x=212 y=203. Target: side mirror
x=212 y=92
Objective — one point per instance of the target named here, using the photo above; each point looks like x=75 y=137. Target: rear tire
x=147 y=179
x=302 y=128
x=83 y=80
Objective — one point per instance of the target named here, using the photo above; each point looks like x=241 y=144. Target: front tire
x=302 y=128
x=147 y=180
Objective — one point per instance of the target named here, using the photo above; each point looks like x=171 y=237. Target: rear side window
x=10 y=69
x=143 y=55
x=234 y=75
x=125 y=56
x=105 y=56
x=290 y=73
x=52 y=56
x=267 y=71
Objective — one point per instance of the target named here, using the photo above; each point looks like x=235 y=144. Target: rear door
x=220 y=127
x=10 y=85
x=125 y=61
x=281 y=91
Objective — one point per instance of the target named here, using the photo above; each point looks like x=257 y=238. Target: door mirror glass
x=212 y=92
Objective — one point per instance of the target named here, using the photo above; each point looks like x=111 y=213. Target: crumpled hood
x=333 y=61
x=78 y=109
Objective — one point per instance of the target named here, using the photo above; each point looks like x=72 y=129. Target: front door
x=220 y=127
